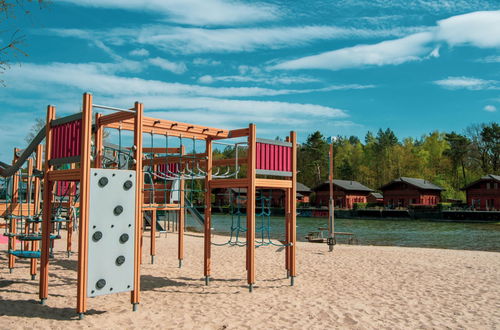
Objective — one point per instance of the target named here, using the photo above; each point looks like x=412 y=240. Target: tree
x=459 y=149
x=10 y=36
x=491 y=138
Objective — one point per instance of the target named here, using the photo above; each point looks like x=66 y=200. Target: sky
x=342 y=67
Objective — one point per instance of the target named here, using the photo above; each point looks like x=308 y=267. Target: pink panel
x=259 y=156
x=67 y=140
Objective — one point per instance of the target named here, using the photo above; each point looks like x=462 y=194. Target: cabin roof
x=348 y=185
x=488 y=177
x=377 y=195
x=419 y=183
x=302 y=187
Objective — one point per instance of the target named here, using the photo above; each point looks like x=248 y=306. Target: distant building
x=403 y=192
x=223 y=196
x=375 y=197
x=345 y=193
x=484 y=194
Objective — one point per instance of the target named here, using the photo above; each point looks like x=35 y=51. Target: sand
x=355 y=287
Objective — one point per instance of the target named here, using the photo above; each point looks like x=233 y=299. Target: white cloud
x=101 y=77
x=206 y=79
x=184 y=40
x=194 y=12
x=490 y=59
x=393 y=52
x=467 y=83
x=490 y=108
x=480 y=29
x=177 y=68
x=206 y=61
x=139 y=52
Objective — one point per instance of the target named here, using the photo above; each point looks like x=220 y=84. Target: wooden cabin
x=223 y=196
x=402 y=192
x=484 y=193
x=345 y=193
x=375 y=197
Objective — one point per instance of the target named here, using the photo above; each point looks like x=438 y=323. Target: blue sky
x=341 y=67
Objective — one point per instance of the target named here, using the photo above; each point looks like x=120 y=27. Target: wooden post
x=14 y=202
x=29 y=184
x=152 y=250
x=85 y=163
x=293 y=210
x=36 y=208
x=47 y=209
x=182 y=217
x=98 y=141
x=135 y=294
x=331 y=214
x=69 y=226
x=208 y=212
x=251 y=191
x=287 y=232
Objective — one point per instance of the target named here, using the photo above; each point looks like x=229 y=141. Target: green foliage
x=450 y=160
x=444 y=206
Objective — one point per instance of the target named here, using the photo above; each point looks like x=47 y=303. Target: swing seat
x=25 y=254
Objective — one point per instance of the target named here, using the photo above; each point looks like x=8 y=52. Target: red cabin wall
x=484 y=195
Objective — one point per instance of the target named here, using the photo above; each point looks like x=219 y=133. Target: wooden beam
x=273 y=183
x=115 y=117
x=83 y=225
x=228 y=183
x=138 y=132
x=65 y=175
x=47 y=208
x=251 y=190
x=207 y=255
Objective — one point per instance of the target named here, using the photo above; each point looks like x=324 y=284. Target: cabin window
x=487 y=185
x=496 y=185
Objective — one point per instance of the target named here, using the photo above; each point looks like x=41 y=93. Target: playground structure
x=109 y=192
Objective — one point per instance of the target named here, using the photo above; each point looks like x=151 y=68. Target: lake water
x=448 y=235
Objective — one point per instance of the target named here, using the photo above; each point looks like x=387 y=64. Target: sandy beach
x=355 y=287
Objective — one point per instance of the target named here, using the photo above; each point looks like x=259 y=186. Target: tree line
x=450 y=160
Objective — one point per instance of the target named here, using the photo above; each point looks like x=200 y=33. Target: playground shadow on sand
x=150 y=283
x=33 y=309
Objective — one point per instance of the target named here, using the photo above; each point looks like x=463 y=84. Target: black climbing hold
x=123 y=238
x=120 y=260
x=97 y=236
x=118 y=210
x=127 y=185
x=100 y=284
x=103 y=181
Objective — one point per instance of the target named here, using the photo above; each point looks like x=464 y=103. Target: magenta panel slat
x=273 y=157
x=66 y=140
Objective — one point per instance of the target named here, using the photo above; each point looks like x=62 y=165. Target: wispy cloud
x=490 y=59
x=100 y=78
x=480 y=29
x=467 y=83
x=182 y=40
x=490 y=108
x=139 y=52
x=177 y=68
x=194 y=12
x=393 y=52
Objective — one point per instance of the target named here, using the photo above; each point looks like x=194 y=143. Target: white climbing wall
x=111 y=232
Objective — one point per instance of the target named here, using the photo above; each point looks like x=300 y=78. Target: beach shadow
x=33 y=309
x=65 y=263
x=212 y=279
x=150 y=283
